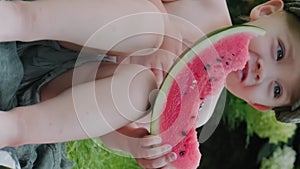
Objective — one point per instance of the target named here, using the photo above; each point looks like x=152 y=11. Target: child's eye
x=280 y=51
x=277 y=90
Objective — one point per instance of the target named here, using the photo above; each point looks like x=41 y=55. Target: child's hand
x=147 y=149
x=152 y=154
x=162 y=60
x=170 y=46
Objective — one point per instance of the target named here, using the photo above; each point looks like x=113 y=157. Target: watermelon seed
x=227 y=63
x=181 y=153
x=201 y=105
x=193 y=117
x=211 y=79
x=201 y=98
x=219 y=60
x=183 y=133
x=192 y=87
x=206 y=67
x=233 y=54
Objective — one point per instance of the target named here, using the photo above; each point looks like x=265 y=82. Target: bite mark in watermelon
x=200 y=73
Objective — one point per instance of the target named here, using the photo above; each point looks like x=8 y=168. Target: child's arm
x=86 y=110
x=123 y=26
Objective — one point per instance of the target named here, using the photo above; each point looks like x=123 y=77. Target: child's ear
x=260 y=107
x=266 y=8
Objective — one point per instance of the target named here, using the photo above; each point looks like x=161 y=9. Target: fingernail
x=173 y=156
x=159 y=139
x=169 y=147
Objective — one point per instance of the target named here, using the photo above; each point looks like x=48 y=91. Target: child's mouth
x=245 y=72
x=242 y=74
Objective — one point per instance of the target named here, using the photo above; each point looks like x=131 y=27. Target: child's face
x=272 y=75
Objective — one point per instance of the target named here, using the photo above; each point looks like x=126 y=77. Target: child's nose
x=258 y=70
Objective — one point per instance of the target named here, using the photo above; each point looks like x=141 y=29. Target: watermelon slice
x=200 y=73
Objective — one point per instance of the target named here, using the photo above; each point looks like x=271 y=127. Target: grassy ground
x=92 y=155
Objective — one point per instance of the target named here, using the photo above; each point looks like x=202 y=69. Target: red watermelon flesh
x=201 y=72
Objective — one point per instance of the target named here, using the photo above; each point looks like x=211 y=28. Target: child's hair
x=290 y=114
x=293 y=7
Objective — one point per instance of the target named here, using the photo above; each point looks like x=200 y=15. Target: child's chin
x=233 y=90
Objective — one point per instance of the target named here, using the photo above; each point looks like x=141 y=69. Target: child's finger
x=158 y=70
x=159 y=77
x=159 y=74
x=168 y=167
x=168 y=63
x=153 y=153
x=157 y=163
x=150 y=141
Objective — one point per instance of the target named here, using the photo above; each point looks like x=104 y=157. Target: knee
x=141 y=87
x=140 y=83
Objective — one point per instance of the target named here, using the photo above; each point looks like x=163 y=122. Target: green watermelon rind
x=188 y=55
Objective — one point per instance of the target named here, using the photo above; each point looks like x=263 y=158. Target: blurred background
x=245 y=138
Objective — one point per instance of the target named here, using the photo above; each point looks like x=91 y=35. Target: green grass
x=91 y=154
